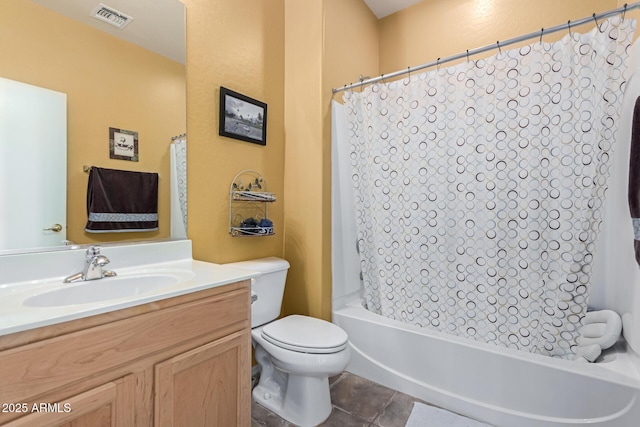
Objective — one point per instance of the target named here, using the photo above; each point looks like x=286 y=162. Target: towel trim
x=125 y=230
x=121 y=217
x=636 y=228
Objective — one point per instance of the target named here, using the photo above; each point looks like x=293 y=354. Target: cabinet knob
x=56 y=228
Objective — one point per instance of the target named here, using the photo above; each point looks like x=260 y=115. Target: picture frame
x=123 y=144
x=242 y=117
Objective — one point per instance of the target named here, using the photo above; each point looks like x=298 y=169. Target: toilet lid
x=305 y=334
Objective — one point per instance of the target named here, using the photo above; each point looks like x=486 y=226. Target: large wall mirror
x=130 y=78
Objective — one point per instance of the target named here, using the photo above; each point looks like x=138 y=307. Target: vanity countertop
x=26 y=304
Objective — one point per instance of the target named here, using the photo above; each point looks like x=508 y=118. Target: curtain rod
x=498 y=45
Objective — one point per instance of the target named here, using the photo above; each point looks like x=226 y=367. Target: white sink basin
x=106 y=289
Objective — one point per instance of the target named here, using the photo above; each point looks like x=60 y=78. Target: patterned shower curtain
x=179 y=185
x=479 y=188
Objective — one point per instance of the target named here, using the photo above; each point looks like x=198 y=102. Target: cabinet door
x=207 y=386
x=109 y=405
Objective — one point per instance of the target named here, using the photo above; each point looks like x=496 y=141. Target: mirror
x=130 y=78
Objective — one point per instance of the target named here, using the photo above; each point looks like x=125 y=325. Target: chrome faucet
x=92 y=267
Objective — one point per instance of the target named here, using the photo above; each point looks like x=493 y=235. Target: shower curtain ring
x=624 y=12
x=499 y=48
x=467 y=56
x=541 y=34
x=569 y=25
x=438 y=65
x=595 y=19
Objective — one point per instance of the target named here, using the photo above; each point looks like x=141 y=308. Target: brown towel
x=634 y=178
x=121 y=201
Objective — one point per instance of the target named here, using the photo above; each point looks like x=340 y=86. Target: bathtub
x=500 y=386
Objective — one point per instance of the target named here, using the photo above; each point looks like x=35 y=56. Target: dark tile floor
x=357 y=402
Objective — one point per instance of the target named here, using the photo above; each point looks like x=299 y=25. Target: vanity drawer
x=37 y=368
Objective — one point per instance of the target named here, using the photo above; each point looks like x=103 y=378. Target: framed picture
x=242 y=117
x=123 y=144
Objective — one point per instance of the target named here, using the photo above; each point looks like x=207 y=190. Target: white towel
x=601 y=329
x=423 y=415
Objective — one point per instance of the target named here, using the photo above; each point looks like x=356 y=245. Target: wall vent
x=111 y=16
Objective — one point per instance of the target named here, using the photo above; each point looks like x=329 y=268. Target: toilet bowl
x=297 y=354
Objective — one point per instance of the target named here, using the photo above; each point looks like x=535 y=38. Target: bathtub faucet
x=92 y=267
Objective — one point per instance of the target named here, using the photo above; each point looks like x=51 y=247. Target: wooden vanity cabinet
x=198 y=387
x=107 y=405
x=183 y=361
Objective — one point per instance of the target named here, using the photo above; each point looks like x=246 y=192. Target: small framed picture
x=123 y=144
x=242 y=117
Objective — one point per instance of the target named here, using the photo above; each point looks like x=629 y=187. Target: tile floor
x=357 y=402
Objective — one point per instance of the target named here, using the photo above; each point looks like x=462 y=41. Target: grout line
x=390 y=399
x=384 y=407
x=342 y=375
x=352 y=414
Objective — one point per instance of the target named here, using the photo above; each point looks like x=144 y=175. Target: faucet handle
x=93 y=251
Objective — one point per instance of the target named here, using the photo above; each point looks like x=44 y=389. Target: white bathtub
x=500 y=386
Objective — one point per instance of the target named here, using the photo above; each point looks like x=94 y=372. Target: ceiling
x=157 y=25
x=382 y=8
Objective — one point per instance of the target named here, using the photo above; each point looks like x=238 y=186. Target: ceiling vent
x=111 y=16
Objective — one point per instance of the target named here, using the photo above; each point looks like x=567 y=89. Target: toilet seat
x=305 y=335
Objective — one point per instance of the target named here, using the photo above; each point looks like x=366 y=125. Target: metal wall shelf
x=248 y=205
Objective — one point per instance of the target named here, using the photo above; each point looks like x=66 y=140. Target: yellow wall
x=326 y=42
x=351 y=40
x=289 y=54
x=239 y=45
x=435 y=29
x=344 y=40
x=109 y=83
x=303 y=157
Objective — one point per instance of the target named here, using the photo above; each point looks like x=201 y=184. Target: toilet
x=296 y=354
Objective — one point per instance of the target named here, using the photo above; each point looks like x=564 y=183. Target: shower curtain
x=178 y=154
x=479 y=187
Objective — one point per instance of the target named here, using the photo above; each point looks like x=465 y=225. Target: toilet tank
x=268 y=288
